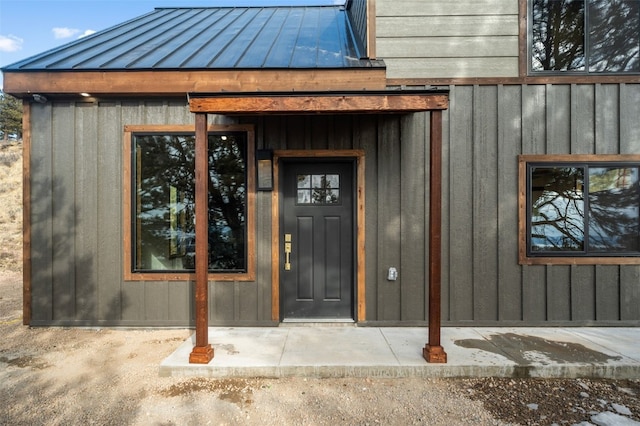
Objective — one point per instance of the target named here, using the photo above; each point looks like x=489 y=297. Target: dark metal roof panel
x=265 y=41
x=213 y=38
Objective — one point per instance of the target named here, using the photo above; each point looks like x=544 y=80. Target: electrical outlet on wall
x=392 y=275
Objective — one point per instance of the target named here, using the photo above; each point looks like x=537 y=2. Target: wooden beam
x=320 y=103
x=371 y=29
x=433 y=351
x=360 y=240
x=533 y=79
x=275 y=241
x=180 y=82
x=202 y=353
x=523 y=40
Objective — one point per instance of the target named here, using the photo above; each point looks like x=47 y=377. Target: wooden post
x=202 y=352
x=433 y=351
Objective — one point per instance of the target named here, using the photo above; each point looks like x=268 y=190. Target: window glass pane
x=557 y=209
x=613 y=209
x=557 y=35
x=304 y=181
x=614 y=35
x=318 y=196
x=304 y=196
x=332 y=196
x=164 y=201
x=333 y=181
x=319 y=181
x=323 y=189
x=227 y=202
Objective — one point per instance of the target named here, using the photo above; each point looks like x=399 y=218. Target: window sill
x=161 y=276
x=579 y=261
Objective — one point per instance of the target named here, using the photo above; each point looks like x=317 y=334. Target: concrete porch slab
x=325 y=351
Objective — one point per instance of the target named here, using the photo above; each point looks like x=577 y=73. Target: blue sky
x=30 y=27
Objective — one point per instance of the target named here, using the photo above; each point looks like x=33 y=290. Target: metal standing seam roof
x=204 y=38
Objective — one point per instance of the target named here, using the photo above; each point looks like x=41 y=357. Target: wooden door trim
x=358 y=156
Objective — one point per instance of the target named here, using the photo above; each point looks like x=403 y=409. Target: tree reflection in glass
x=326 y=189
x=613 y=209
x=558 y=35
x=607 y=221
x=318 y=189
x=557 y=209
x=614 y=35
x=165 y=199
x=585 y=35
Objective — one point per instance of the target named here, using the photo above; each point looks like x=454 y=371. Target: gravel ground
x=557 y=401
x=70 y=376
x=62 y=376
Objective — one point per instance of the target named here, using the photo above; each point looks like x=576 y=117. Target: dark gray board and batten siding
x=77 y=248
x=486 y=128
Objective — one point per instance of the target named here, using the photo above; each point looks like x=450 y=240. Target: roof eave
x=178 y=82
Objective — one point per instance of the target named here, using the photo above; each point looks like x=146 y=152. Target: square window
x=580 y=209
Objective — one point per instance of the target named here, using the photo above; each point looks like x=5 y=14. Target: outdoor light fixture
x=264 y=162
x=39 y=98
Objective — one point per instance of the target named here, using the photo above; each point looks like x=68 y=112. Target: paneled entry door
x=317 y=240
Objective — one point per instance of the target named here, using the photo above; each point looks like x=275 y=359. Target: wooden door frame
x=358 y=156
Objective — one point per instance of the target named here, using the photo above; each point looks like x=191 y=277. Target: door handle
x=287 y=252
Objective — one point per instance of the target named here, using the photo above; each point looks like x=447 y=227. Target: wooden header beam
x=361 y=102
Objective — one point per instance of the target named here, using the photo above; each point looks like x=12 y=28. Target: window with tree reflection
x=583 y=209
x=585 y=36
x=164 y=201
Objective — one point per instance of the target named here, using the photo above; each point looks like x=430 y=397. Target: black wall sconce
x=264 y=161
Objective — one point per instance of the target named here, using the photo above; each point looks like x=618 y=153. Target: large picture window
x=588 y=209
x=585 y=36
x=162 y=202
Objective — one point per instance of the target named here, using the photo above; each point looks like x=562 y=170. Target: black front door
x=317 y=240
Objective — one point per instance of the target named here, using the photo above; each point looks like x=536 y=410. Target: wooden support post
x=433 y=351
x=202 y=352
